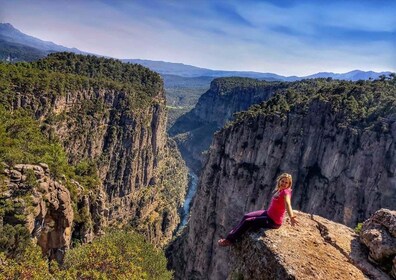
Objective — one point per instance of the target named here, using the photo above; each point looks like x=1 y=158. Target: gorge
x=194 y=130
x=84 y=150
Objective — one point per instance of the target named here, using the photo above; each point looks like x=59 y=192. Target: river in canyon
x=192 y=189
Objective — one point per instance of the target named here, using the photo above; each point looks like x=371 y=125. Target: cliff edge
x=316 y=249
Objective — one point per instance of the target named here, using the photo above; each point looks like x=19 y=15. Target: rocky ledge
x=315 y=249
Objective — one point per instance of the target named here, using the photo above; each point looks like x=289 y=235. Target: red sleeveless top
x=277 y=208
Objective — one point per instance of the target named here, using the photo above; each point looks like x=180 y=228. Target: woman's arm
x=289 y=209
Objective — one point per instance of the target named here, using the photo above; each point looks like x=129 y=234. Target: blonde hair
x=280 y=177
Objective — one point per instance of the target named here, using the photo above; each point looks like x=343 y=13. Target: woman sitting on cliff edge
x=271 y=218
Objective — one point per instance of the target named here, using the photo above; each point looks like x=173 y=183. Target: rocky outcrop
x=30 y=196
x=379 y=234
x=42 y=204
x=92 y=213
x=193 y=131
x=316 y=249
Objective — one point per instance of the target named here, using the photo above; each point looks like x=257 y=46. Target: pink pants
x=253 y=220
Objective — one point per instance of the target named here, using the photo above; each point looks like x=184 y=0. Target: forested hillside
x=92 y=129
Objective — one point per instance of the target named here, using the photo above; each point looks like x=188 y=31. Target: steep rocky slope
x=113 y=115
x=30 y=197
x=337 y=139
x=194 y=131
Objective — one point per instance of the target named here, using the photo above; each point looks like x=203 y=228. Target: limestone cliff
x=193 y=131
x=341 y=155
x=31 y=197
x=114 y=115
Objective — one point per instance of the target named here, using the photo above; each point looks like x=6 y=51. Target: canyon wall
x=118 y=123
x=343 y=163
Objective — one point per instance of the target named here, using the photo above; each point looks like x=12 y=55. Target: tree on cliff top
x=363 y=103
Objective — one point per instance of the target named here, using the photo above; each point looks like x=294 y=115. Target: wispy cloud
x=283 y=36
x=229 y=13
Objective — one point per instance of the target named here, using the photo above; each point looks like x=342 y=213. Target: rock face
x=193 y=131
x=45 y=203
x=123 y=133
x=92 y=213
x=343 y=173
x=379 y=234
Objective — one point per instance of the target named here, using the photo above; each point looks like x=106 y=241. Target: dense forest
x=62 y=72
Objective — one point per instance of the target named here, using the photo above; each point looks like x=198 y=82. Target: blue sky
x=279 y=36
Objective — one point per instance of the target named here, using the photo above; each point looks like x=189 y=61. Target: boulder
x=379 y=235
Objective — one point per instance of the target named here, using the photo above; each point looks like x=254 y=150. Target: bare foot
x=224 y=242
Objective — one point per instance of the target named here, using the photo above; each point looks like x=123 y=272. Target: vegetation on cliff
x=117 y=255
x=127 y=76
x=362 y=103
x=22 y=141
x=239 y=85
x=61 y=73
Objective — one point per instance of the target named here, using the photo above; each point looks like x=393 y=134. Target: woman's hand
x=293 y=221
x=289 y=209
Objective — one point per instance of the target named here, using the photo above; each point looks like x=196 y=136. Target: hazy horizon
x=283 y=37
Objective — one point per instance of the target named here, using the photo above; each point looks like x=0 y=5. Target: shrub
x=358 y=228
x=117 y=255
x=29 y=266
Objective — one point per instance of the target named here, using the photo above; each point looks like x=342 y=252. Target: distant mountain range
x=180 y=69
x=17 y=46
